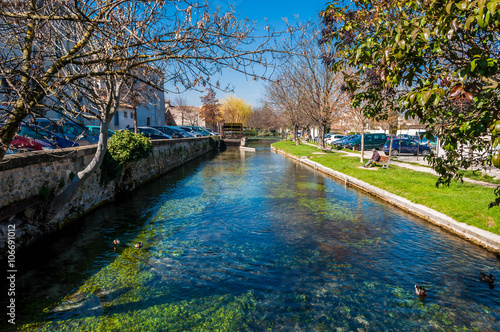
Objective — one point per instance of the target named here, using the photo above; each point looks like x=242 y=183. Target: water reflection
x=255 y=243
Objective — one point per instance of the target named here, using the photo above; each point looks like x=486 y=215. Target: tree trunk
x=67 y=194
x=321 y=136
x=10 y=127
x=390 y=145
x=362 y=145
x=134 y=112
x=296 y=134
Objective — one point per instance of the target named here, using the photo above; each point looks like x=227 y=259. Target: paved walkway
x=403 y=161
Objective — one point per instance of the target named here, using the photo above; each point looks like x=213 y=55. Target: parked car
x=213 y=133
x=182 y=131
x=341 y=142
x=23 y=144
x=29 y=144
x=36 y=132
x=406 y=136
x=406 y=146
x=151 y=133
x=191 y=130
x=94 y=130
x=201 y=130
x=169 y=131
x=69 y=130
x=316 y=138
x=372 y=141
x=334 y=137
x=430 y=143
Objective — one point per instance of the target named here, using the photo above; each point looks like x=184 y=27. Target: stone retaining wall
x=29 y=180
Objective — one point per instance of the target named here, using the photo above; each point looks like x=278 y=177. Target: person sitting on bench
x=375 y=158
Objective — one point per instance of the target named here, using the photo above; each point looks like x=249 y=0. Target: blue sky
x=256 y=10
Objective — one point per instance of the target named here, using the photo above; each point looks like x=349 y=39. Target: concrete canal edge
x=473 y=234
x=28 y=181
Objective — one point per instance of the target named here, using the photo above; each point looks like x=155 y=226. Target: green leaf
x=426 y=33
x=436 y=100
x=480 y=21
x=464 y=127
x=492 y=6
x=487 y=18
x=414 y=34
x=426 y=96
x=448 y=7
x=358 y=53
x=480 y=6
x=469 y=21
x=412 y=98
x=473 y=65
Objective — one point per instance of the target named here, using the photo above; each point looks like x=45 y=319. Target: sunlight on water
x=252 y=241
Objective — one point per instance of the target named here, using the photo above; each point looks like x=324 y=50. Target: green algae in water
x=314 y=186
x=325 y=209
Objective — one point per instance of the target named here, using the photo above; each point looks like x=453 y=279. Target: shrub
x=125 y=146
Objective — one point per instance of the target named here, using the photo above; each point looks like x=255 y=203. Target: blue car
x=55 y=140
x=406 y=146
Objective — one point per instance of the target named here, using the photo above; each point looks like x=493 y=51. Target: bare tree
x=321 y=90
x=182 y=109
x=141 y=88
x=313 y=87
x=266 y=119
x=282 y=95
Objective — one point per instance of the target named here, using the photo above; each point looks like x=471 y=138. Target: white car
x=333 y=138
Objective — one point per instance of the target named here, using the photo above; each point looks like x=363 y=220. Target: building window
x=125 y=115
x=148 y=121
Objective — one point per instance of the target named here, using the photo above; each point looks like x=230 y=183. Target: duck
x=487 y=278
x=138 y=245
x=116 y=242
x=420 y=291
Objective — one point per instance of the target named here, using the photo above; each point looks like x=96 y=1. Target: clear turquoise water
x=244 y=241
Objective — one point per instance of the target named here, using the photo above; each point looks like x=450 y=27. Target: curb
x=473 y=234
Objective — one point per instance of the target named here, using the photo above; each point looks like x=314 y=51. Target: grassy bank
x=464 y=202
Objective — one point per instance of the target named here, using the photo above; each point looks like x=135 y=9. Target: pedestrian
x=375 y=158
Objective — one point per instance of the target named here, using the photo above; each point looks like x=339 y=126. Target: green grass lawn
x=464 y=202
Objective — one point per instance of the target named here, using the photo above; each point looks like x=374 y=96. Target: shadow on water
x=252 y=241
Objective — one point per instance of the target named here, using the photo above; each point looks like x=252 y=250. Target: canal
x=251 y=241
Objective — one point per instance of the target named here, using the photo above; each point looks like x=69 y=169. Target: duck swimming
x=138 y=245
x=116 y=242
x=420 y=291
x=487 y=278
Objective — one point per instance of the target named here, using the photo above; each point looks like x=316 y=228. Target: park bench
x=384 y=161
x=327 y=148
